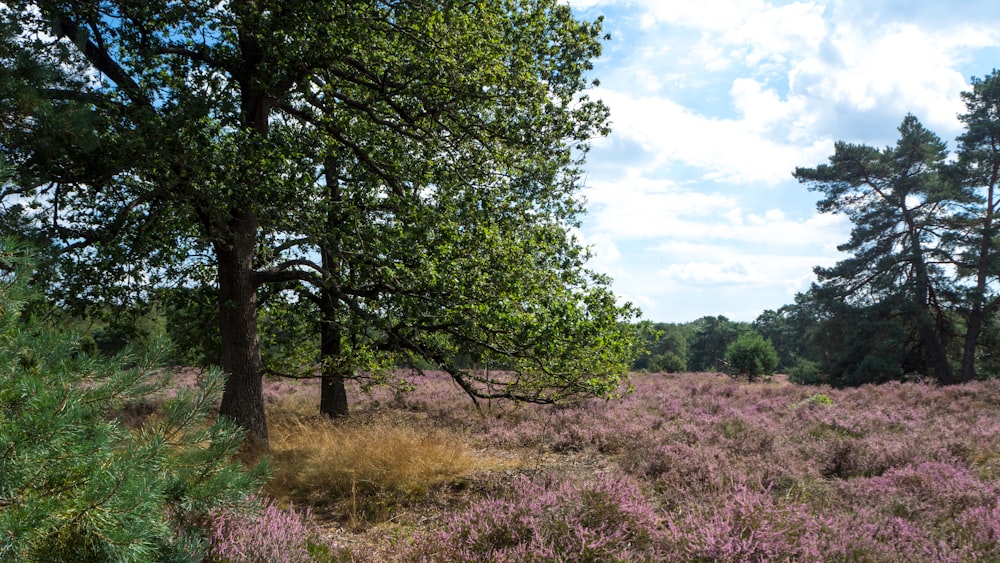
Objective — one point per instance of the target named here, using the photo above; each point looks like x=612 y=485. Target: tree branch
x=102 y=61
x=264 y=277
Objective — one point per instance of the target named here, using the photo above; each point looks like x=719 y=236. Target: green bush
x=668 y=362
x=751 y=356
x=75 y=483
x=807 y=372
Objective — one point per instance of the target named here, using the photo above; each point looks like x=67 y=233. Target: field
x=693 y=467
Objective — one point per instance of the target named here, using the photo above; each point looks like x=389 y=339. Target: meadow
x=691 y=467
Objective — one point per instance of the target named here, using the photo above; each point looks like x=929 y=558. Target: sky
x=692 y=207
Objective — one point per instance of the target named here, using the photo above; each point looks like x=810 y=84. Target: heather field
x=693 y=467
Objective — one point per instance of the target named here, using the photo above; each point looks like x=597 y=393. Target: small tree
x=751 y=356
x=75 y=483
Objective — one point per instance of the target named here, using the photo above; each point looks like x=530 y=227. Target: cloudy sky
x=692 y=206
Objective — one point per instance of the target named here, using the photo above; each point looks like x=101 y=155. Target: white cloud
x=902 y=69
x=749 y=274
x=713 y=105
x=694 y=241
x=727 y=150
x=605 y=255
x=752 y=33
x=799 y=80
x=640 y=208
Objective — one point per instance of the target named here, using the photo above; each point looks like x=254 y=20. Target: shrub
x=745 y=524
x=75 y=483
x=807 y=372
x=668 y=362
x=272 y=534
x=818 y=399
x=607 y=520
x=751 y=356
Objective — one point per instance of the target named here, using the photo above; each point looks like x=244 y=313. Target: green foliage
x=751 y=356
x=977 y=173
x=902 y=205
x=712 y=337
x=807 y=372
x=77 y=485
x=432 y=152
x=669 y=362
x=870 y=344
x=664 y=347
x=988 y=346
x=192 y=324
x=819 y=399
x=789 y=329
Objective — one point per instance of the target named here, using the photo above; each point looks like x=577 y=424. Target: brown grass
x=365 y=466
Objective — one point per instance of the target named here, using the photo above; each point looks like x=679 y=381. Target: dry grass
x=365 y=466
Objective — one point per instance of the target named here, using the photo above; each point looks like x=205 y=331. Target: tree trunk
x=939 y=359
x=333 y=394
x=930 y=337
x=243 y=398
x=986 y=258
x=973 y=329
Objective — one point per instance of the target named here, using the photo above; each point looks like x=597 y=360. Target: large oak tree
x=412 y=162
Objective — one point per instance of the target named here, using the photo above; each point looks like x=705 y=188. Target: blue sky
x=693 y=210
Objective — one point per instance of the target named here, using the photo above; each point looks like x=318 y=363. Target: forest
x=245 y=242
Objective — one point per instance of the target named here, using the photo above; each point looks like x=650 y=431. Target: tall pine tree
x=899 y=203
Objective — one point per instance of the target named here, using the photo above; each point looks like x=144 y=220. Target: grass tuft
x=370 y=465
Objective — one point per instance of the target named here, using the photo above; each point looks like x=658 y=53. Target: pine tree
x=898 y=202
x=78 y=485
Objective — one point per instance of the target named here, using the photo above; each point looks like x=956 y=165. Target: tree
x=161 y=138
x=751 y=356
x=875 y=343
x=712 y=336
x=782 y=329
x=457 y=274
x=899 y=203
x=665 y=347
x=75 y=484
x=978 y=170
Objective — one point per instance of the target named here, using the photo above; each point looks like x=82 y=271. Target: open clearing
x=688 y=467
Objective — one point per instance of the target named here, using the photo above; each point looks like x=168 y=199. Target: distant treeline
x=843 y=352
x=838 y=350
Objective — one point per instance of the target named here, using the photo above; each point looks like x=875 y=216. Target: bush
x=273 y=535
x=807 y=372
x=608 y=520
x=75 y=483
x=751 y=356
x=668 y=362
